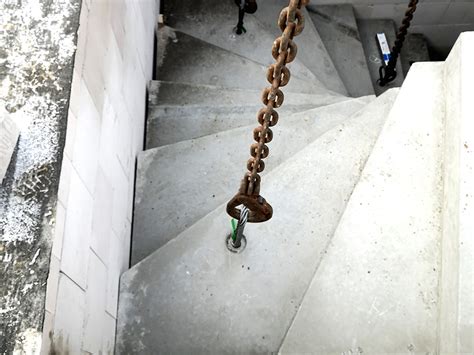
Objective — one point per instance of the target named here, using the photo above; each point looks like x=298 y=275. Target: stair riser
x=170 y=93
x=172 y=125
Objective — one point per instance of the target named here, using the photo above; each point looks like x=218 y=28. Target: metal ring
x=260 y=210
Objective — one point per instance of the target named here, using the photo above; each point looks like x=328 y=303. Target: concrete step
x=311 y=49
x=337 y=27
x=213 y=21
x=180 y=183
x=172 y=93
x=456 y=325
x=186 y=59
x=376 y=290
x=368 y=30
x=193 y=295
x=172 y=124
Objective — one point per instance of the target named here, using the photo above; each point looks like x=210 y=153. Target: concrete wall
x=105 y=131
x=37 y=44
x=441 y=21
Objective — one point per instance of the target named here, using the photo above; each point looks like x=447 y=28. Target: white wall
x=441 y=21
x=105 y=132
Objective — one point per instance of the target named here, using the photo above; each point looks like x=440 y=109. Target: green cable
x=234 y=228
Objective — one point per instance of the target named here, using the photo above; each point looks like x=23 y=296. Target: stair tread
x=168 y=125
x=385 y=253
x=174 y=93
x=311 y=49
x=194 y=18
x=172 y=180
x=337 y=27
x=194 y=294
x=184 y=58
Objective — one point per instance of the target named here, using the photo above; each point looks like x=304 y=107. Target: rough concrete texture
x=172 y=124
x=415 y=49
x=368 y=30
x=172 y=93
x=193 y=295
x=9 y=133
x=311 y=49
x=337 y=27
x=456 y=331
x=213 y=21
x=376 y=290
x=186 y=59
x=440 y=21
x=180 y=183
x=37 y=43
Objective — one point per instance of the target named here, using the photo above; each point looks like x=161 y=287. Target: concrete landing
x=193 y=295
x=311 y=50
x=179 y=184
x=186 y=59
x=368 y=29
x=337 y=27
x=376 y=291
x=172 y=93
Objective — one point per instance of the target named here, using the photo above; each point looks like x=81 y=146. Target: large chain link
x=389 y=73
x=291 y=23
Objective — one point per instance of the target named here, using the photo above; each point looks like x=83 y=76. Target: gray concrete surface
x=193 y=295
x=9 y=133
x=172 y=93
x=415 y=49
x=213 y=21
x=337 y=27
x=180 y=183
x=456 y=328
x=172 y=124
x=368 y=29
x=37 y=50
x=376 y=290
x=311 y=49
x=186 y=59
x=440 y=21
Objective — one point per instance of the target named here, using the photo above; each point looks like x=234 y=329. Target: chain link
x=284 y=49
x=389 y=73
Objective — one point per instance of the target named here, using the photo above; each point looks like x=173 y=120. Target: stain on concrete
x=37 y=46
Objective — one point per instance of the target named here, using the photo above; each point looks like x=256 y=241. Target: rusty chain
x=291 y=23
x=389 y=73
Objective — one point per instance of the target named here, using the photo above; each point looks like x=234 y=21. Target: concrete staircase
x=353 y=259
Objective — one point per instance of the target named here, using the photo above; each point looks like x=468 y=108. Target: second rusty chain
x=291 y=22
x=389 y=73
